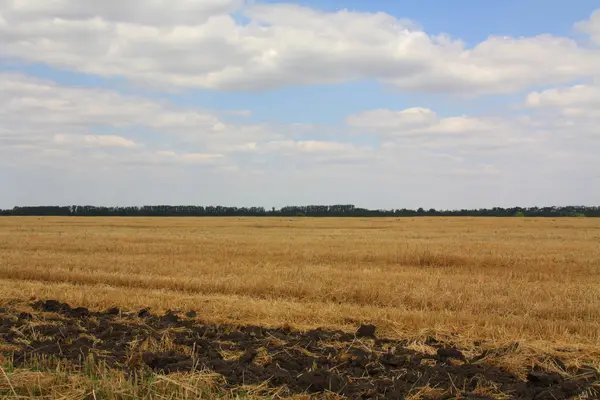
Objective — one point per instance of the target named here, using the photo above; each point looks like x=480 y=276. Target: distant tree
x=339 y=210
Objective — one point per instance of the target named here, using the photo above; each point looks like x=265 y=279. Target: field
x=495 y=308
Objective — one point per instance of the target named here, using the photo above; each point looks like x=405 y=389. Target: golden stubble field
x=535 y=282
x=516 y=295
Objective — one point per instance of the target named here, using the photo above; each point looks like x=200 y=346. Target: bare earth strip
x=468 y=280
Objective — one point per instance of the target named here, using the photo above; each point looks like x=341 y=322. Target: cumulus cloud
x=94 y=140
x=46 y=124
x=282 y=45
x=388 y=120
x=307 y=153
x=574 y=101
x=420 y=121
x=155 y=12
x=535 y=140
x=200 y=157
x=169 y=157
x=591 y=27
x=33 y=109
x=40 y=119
x=54 y=105
x=310 y=146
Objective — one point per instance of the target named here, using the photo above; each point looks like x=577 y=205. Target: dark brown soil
x=353 y=365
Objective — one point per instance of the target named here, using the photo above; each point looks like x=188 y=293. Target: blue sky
x=474 y=20
x=273 y=103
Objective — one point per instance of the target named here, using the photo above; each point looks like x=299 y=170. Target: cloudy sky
x=383 y=104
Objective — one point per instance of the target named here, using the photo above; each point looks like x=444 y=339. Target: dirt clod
x=248 y=356
x=449 y=352
x=366 y=331
x=25 y=316
x=113 y=311
x=51 y=306
x=79 y=312
x=542 y=379
x=169 y=319
x=322 y=380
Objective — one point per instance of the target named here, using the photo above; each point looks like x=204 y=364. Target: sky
x=381 y=104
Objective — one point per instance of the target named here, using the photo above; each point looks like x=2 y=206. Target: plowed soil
x=353 y=365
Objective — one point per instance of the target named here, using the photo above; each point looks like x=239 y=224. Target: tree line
x=340 y=210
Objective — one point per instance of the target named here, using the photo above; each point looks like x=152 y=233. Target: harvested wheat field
x=416 y=308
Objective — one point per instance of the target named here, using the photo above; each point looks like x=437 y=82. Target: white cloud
x=420 y=121
x=509 y=143
x=23 y=96
x=462 y=125
x=200 y=157
x=239 y=113
x=573 y=95
x=310 y=146
x=169 y=157
x=94 y=140
x=244 y=147
x=315 y=152
x=155 y=12
x=33 y=109
x=574 y=101
x=167 y=46
x=591 y=27
x=46 y=124
x=476 y=170
x=40 y=119
x=388 y=120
